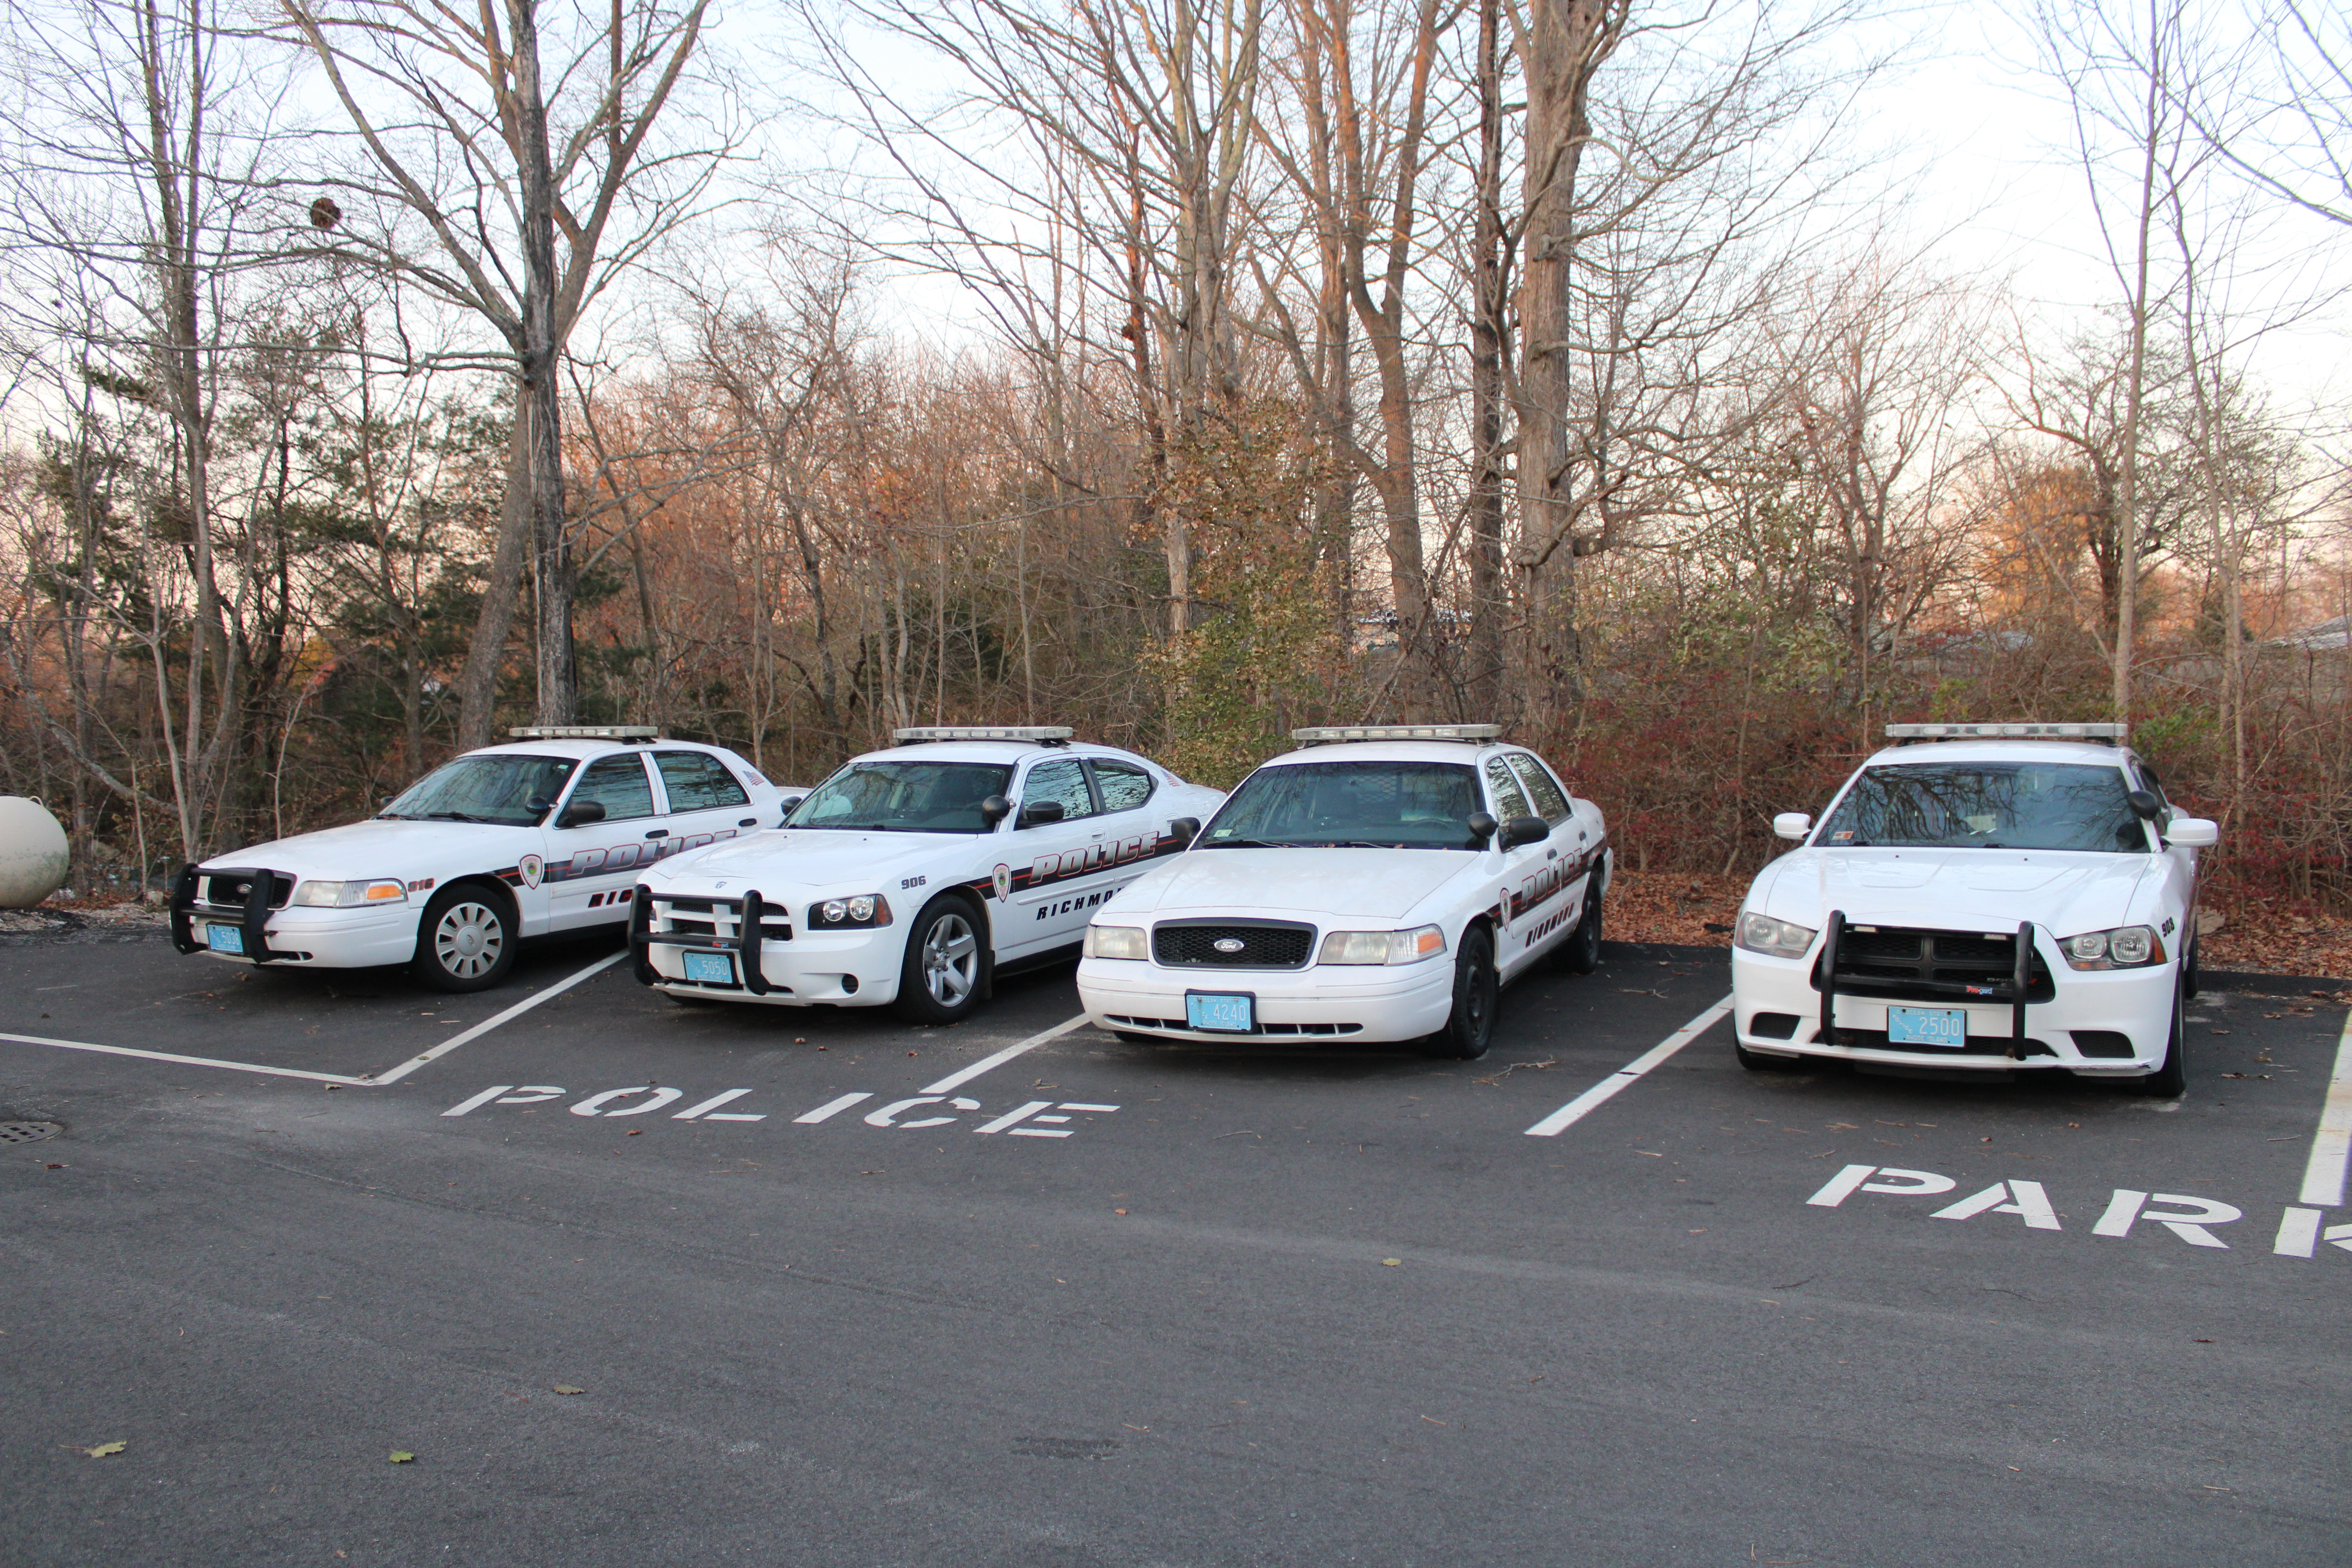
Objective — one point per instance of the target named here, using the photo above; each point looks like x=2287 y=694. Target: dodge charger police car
x=912 y=874
x=545 y=834
x=1980 y=896
x=1379 y=884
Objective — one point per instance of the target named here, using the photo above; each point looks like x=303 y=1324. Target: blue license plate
x=1944 y=1026
x=710 y=968
x=1221 y=1013
x=223 y=938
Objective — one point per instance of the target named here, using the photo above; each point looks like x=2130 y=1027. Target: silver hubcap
x=469 y=941
x=951 y=960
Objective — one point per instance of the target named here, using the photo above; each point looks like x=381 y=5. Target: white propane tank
x=32 y=853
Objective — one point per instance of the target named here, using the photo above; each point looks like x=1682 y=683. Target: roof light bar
x=586 y=733
x=1321 y=734
x=2110 y=733
x=1043 y=734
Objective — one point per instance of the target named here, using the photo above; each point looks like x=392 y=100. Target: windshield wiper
x=451 y=816
x=394 y=816
x=1250 y=844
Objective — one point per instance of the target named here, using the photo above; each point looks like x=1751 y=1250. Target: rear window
x=1987 y=806
x=697 y=781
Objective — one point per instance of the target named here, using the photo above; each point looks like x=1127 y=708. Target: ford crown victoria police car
x=513 y=841
x=1379 y=885
x=1985 y=896
x=911 y=874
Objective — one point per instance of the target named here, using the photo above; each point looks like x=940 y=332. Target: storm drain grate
x=27 y=1132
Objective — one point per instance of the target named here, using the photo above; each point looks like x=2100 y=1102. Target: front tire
x=2170 y=1079
x=1470 y=1027
x=1581 y=954
x=946 y=970
x=466 y=940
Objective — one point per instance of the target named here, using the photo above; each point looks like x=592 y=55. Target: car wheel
x=2170 y=1079
x=1470 y=1027
x=946 y=971
x=466 y=940
x=2189 y=977
x=1581 y=953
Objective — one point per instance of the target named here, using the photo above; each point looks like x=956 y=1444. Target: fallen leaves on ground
x=402 y=1457
x=100 y=1451
x=566 y=1389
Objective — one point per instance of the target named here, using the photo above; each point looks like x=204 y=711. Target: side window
x=1550 y=800
x=620 y=786
x=1510 y=801
x=1063 y=779
x=2154 y=785
x=697 y=781
x=1122 y=786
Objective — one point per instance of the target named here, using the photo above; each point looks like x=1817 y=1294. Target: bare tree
x=507 y=143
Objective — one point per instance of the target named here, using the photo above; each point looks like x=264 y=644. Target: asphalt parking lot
x=638 y=1283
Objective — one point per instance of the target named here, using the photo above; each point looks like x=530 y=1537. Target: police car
x=545 y=834
x=911 y=875
x=1994 y=897
x=1379 y=884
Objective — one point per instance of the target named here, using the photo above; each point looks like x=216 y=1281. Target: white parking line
x=987 y=1064
x=2331 y=1146
x=487 y=1025
x=1600 y=1094
x=188 y=1061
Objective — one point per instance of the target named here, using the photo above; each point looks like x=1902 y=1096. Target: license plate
x=1945 y=1026
x=223 y=938
x=710 y=968
x=1221 y=1013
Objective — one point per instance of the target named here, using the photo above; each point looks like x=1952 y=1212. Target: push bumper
x=2095 y=1022
x=304 y=938
x=765 y=960
x=1322 y=1002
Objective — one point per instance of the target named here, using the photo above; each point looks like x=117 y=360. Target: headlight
x=1381 y=946
x=1781 y=938
x=350 y=895
x=2126 y=947
x=1115 y=941
x=865 y=910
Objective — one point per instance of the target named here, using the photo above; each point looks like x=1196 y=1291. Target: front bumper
x=769 y=960
x=1322 y=1002
x=2097 y=1024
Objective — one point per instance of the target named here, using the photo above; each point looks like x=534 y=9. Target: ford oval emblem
x=1228 y=944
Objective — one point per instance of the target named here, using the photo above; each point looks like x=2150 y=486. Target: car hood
x=382 y=846
x=784 y=858
x=2064 y=892
x=1297 y=883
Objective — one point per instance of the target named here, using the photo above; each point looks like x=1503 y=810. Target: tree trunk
x=541 y=347
x=1488 y=324
x=478 y=689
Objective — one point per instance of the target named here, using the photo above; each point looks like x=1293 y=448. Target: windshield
x=484 y=789
x=1375 y=805
x=1988 y=805
x=903 y=797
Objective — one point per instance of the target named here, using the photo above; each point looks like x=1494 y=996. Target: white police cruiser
x=1377 y=885
x=1980 y=896
x=546 y=834
x=912 y=874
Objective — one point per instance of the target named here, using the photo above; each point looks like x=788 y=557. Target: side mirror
x=1524 y=831
x=1481 y=827
x=2193 y=832
x=790 y=800
x=1792 y=825
x=580 y=813
x=1040 y=813
x=538 y=806
x=2145 y=807
x=1184 y=829
x=995 y=809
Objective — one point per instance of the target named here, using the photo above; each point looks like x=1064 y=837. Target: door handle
x=749 y=821
x=658 y=833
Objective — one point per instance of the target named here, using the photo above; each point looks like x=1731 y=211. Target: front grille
x=1264 y=944
x=1976 y=1045
x=714 y=920
x=1282 y=1029
x=230 y=892
x=1909 y=963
